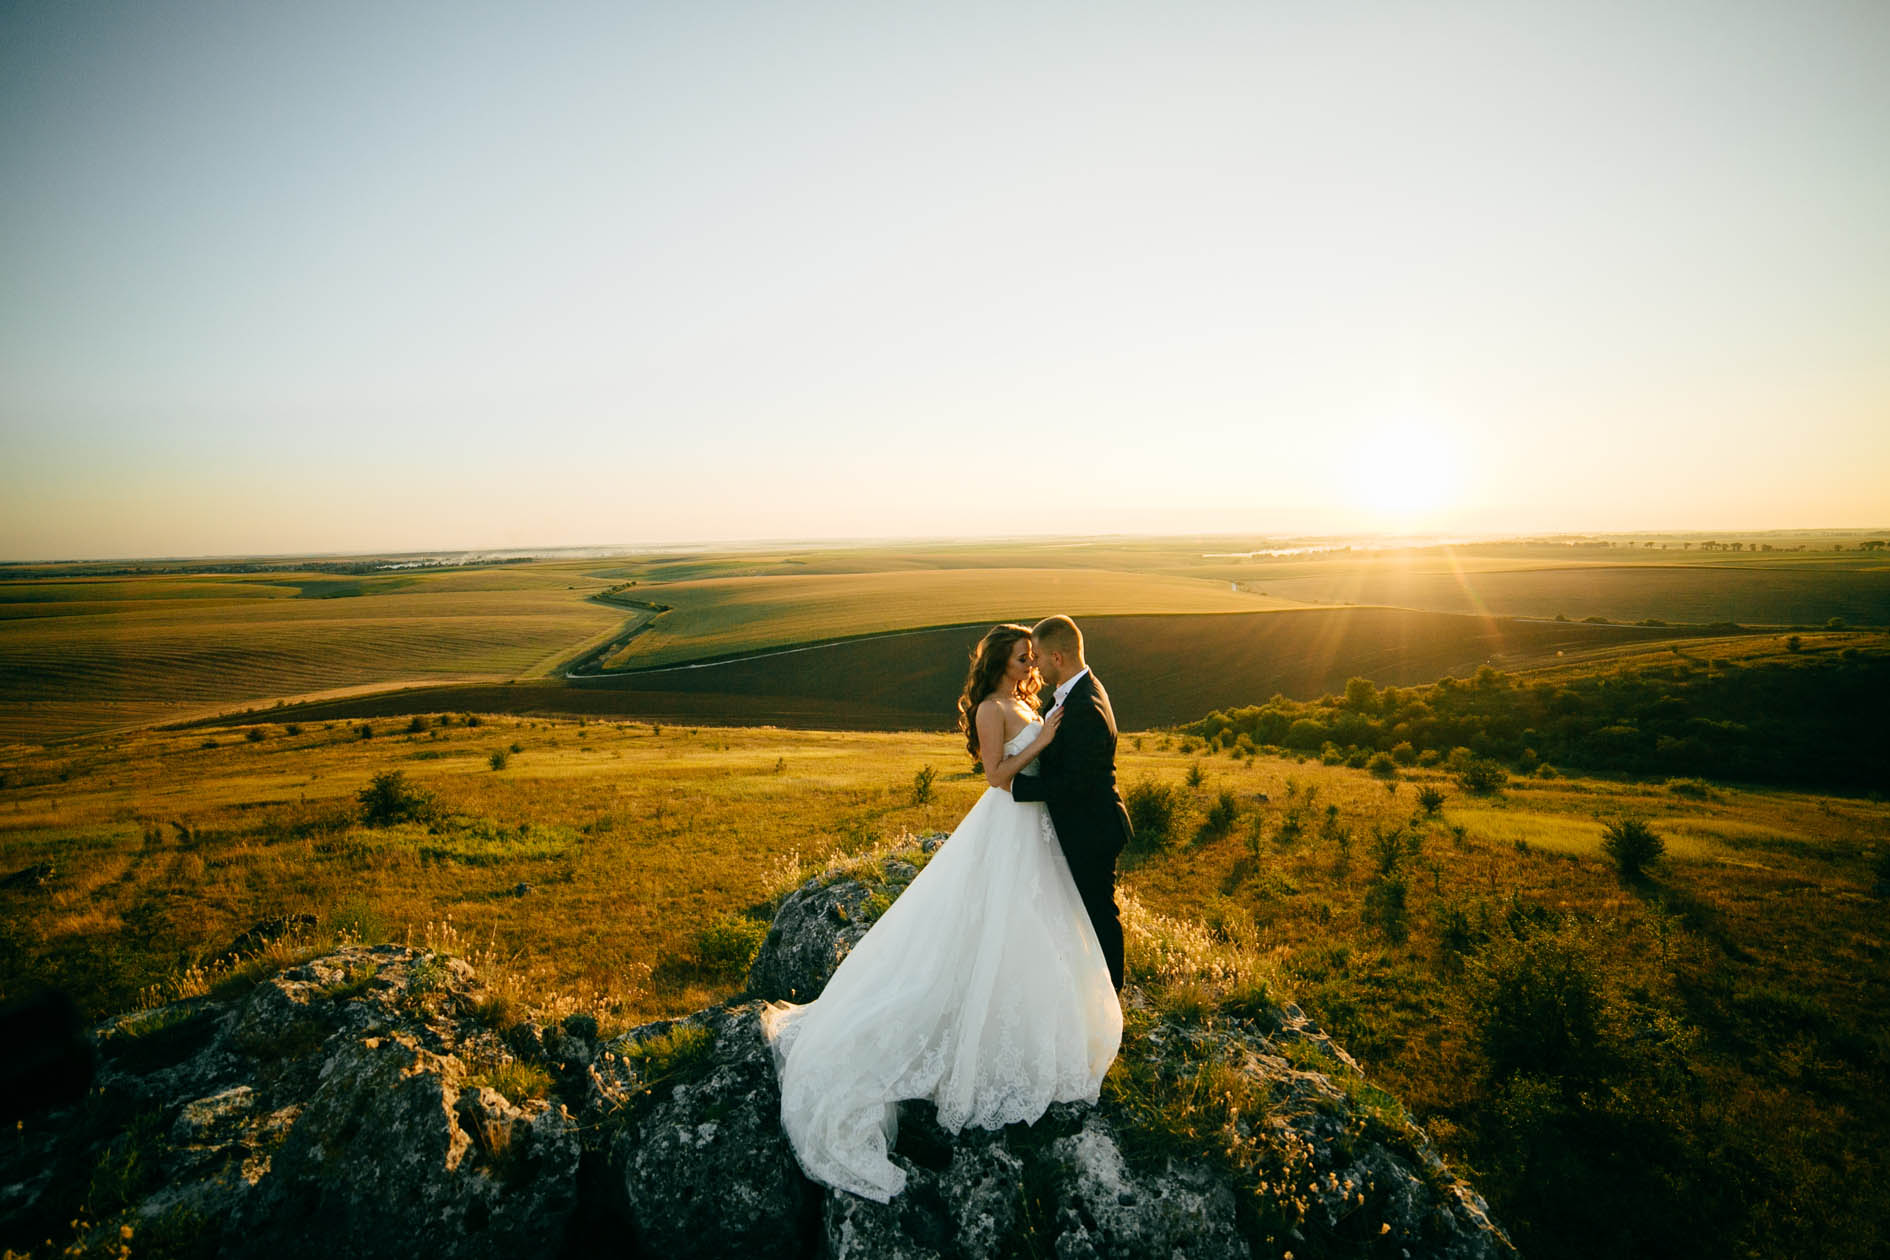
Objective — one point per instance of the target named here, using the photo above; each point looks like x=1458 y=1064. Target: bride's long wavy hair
x=989 y=660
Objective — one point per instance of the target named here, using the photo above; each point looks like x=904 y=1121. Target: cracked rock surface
x=364 y=1104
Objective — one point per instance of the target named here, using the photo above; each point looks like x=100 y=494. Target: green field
x=85 y=650
x=725 y=616
x=1739 y=993
x=80 y=654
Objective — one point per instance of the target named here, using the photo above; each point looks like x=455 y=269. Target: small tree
x=1382 y=766
x=389 y=798
x=1632 y=844
x=1430 y=799
x=497 y=758
x=922 y=785
x=1195 y=777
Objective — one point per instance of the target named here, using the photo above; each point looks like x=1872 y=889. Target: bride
x=982 y=987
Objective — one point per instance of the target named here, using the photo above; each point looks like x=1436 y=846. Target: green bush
x=1220 y=817
x=921 y=785
x=730 y=943
x=1430 y=799
x=1385 y=907
x=1195 y=777
x=1152 y=808
x=1403 y=753
x=389 y=798
x=1382 y=766
x=497 y=758
x=1632 y=844
x=1481 y=776
x=1536 y=1006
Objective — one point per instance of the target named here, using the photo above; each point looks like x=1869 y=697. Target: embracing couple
x=990 y=985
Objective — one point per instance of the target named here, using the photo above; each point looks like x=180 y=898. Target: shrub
x=1689 y=787
x=365 y=730
x=1382 y=766
x=730 y=943
x=1195 y=777
x=1221 y=816
x=1152 y=808
x=1547 y=771
x=1430 y=799
x=1794 y=644
x=1403 y=753
x=1536 y=1005
x=418 y=725
x=1632 y=844
x=1429 y=757
x=1481 y=776
x=497 y=758
x=389 y=798
x=921 y=785
x=1388 y=847
x=293 y=728
x=254 y=735
x=1385 y=907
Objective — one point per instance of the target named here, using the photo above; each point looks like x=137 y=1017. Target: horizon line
x=830 y=542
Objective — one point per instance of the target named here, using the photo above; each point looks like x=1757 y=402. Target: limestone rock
x=362 y=1104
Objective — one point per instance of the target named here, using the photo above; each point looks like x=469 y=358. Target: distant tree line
x=1807 y=721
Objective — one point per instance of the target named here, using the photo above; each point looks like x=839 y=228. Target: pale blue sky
x=381 y=276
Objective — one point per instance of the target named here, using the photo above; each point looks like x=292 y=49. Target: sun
x=1405 y=473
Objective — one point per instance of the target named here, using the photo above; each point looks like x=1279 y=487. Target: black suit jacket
x=1077 y=778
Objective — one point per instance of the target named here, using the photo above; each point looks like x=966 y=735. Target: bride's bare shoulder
x=992 y=711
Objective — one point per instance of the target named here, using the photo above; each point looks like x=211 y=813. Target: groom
x=1078 y=780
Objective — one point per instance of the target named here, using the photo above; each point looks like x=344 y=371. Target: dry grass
x=629 y=842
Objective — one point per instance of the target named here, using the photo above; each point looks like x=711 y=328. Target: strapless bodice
x=1018 y=742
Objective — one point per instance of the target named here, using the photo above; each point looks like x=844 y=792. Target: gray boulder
x=364 y=1104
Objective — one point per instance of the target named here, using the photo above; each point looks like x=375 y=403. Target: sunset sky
x=346 y=277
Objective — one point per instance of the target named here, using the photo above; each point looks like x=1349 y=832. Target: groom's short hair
x=1058 y=634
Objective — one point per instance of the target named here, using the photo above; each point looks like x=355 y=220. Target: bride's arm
x=999 y=770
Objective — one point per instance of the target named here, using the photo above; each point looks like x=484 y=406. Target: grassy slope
x=722 y=616
x=1760 y=930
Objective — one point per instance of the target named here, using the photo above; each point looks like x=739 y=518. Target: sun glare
x=1405 y=473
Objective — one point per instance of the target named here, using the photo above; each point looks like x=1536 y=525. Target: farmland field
x=86 y=650
x=1159 y=670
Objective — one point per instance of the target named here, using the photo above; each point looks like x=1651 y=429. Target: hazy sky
x=280 y=277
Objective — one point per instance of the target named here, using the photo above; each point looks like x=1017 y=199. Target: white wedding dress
x=981 y=988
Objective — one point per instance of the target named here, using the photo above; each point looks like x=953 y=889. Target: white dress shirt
x=1063 y=688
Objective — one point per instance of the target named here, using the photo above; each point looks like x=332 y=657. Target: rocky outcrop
x=375 y=1102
